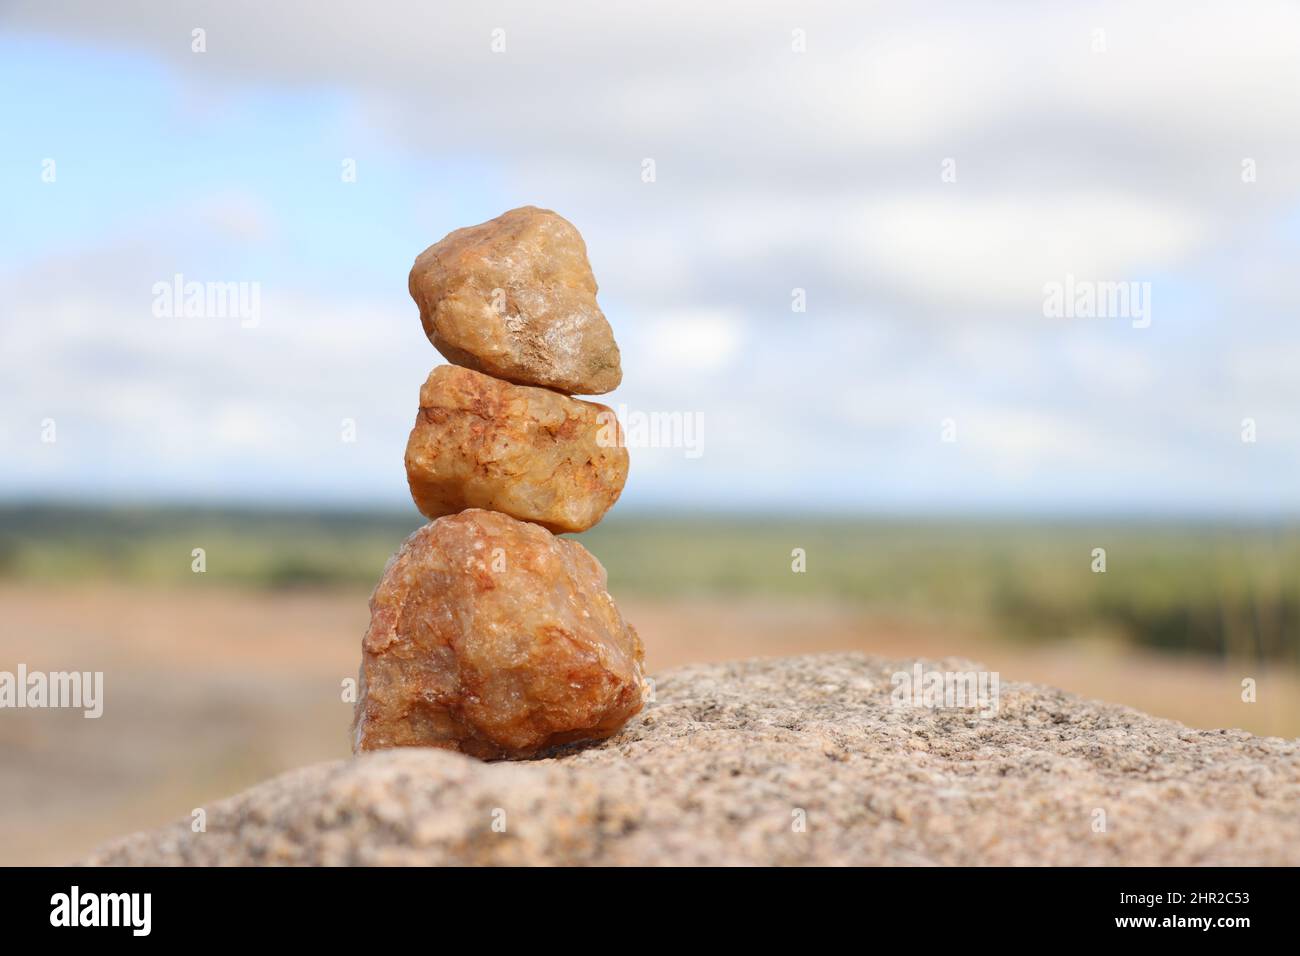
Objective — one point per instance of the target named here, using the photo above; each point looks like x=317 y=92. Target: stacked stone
x=488 y=634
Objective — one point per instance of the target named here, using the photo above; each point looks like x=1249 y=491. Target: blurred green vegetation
x=254 y=548
x=1222 y=589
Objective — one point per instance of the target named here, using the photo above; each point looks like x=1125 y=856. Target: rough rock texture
x=514 y=297
x=715 y=770
x=493 y=637
x=527 y=452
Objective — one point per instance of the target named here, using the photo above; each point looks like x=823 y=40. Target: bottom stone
x=491 y=636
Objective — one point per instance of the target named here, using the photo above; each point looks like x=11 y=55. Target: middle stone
x=531 y=453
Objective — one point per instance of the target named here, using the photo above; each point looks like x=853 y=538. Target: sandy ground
x=207 y=692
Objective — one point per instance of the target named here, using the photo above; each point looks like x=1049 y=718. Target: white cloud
x=818 y=170
x=695 y=341
x=969 y=253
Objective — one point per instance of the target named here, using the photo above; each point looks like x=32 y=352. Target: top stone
x=514 y=298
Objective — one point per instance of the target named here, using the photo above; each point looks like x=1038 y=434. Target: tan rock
x=531 y=453
x=729 y=755
x=514 y=297
x=493 y=637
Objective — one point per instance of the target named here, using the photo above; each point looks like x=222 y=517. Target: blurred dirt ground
x=209 y=691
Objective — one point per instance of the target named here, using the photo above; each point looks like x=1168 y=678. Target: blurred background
x=824 y=235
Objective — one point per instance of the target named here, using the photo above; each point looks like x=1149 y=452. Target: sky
x=920 y=176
